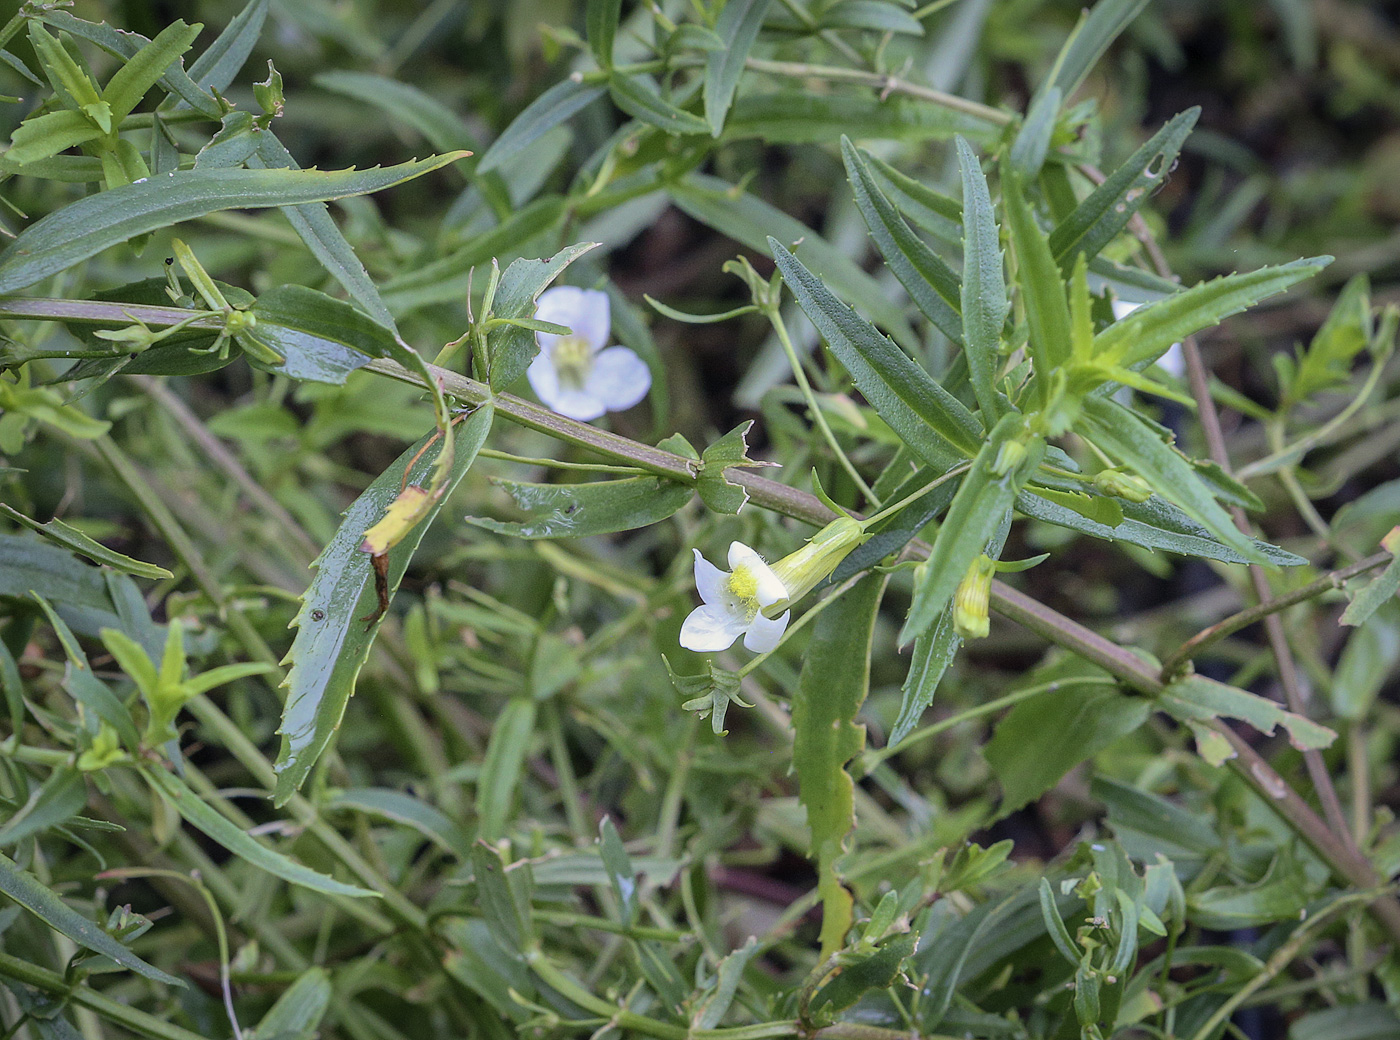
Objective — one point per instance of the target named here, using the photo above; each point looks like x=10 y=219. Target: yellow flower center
x=573 y=360
x=743 y=586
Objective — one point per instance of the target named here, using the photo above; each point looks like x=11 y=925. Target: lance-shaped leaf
x=405 y=104
x=934 y=650
x=1195 y=698
x=244 y=846
x=319 y=337
x=1090 y=39
x=927 y=418
x=300 y=1008
x=550 y=109
x=1380 y=589
x=984 y=299
x=1032 y=142
x=332 y=642
x=639 y=97
x=1047 y=306
x=57 y=531
x=998 y=473
x=1125 y=435
x=579 y=510
x=126 y=89
x=86 y=227
x=933 y=286
x=503 y=765
x=512 y=347
x=223 y=58
x=1108 y=208
x=28 y=892
x=832 y=687
x=737 y=28
x=1146 y=334
x=806 y=117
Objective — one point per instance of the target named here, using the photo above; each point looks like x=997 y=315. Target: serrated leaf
x=550 y=109
x=1042 y=290
x=511 y=347
x=831 y=688
x=1146 y=334
x=984 y=300
x=928 y=418
x=42 y=137
x=126 y=89
x=1196 y=697
x=1100 y=217
x=977 y=510
x=86 y=227
x=579 y=510
x=222 y=59
x=27 y=891
x=737 y=28
x=1123 y=434
x=712 y=483
x=895 y=532
x=405 y=104
x=934 y=650
x=639 y=97
x=933 y=286
x=63 y=534
x=332 y=642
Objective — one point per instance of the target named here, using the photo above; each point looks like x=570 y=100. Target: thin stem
x=585 y=467
x=775 y=317
x=1174 y=663
x=914 y=496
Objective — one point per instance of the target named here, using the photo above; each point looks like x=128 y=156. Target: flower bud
x=1119 y=484
x=972 y=598
x=804 y=570
x=1009 y=456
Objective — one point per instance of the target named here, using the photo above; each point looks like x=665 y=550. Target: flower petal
x=544 y=380
x=770 y=587
x=709 y=579
x=587 y=311
x=763 y=634
x=708 y=629
x=619 y=378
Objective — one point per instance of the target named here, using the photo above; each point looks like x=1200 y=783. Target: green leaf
x=859 y=976
x=556 y=105
x=1032 y=142
x=503 y=894
x=12 y=687
x=300 y=1009
x=712 y=483
x=710 y=1008
x=1367 y=1020
x=737 y=27
x=978 y=509
x=1042 y=290
x=405 y=104
x=1154 y=524
x=1146 y=334
x=1347 y=331
x=600 y=24
x=1197 y=698
x=214 y=825
x=709 y=693
x=86 y=227
x=512 y=348
x=58 y=799
x=933 y=286
x=1125 y=435
x=1376 y=592
x=44 y=136
x=57 y=531
x=320 y=338
x=313 y=224
x=332 y=642
x=1089 y=41
x=76 y=589
x=398 y=807
x=1366 y=664
x=222 y=59
x=618 y=864
x=984 y=299
x=1044 y=737
x=928 y=418
x=579 y=510
x=144 y=69
x=501 y=768
x=893 y=533
x=807 y=117
x=875 y=15
x=639 y=97
x=123 y=44
x=832 y=687
x=750 y=221
x=26 y=890
x=1281 y=895
x=934 y=650
x=1099 y=218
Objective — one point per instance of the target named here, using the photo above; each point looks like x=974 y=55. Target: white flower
x=733 y=604
x=575 y=375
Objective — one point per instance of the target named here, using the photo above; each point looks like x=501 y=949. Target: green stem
x=138 y=1022
x=890 y=510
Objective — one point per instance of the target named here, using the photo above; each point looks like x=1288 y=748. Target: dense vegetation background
x=557 y=847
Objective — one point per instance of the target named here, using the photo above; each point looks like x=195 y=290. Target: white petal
x=709 y=579
x=763 y=634
x=587 y=311
x=544 y=380
x=619 y=378
x=770 y=586
x=709 y=629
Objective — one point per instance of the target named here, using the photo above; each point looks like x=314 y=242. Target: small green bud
x=971 y=601
x=238 y=322
x=1009 y=457
x=804 y=570
x=1119 y=484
